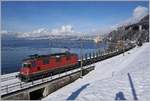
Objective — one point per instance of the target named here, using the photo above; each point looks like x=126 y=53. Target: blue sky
x=83 y=16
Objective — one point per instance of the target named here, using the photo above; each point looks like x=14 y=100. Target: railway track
x=87 y=61
x=6 y=89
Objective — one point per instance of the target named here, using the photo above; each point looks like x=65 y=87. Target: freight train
x=40 y=66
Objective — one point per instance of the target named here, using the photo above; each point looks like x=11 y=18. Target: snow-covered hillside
x=121 y=77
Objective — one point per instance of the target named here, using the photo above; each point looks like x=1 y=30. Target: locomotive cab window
x=28 y=65
x=46 y=61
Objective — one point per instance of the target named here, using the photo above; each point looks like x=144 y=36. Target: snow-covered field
x=122 y=77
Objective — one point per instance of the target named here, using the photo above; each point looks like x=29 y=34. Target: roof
x=36 y=56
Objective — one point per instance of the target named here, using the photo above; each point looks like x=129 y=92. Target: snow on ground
x=10 y=82
x=9 y=74
x=123 y=77
x=9 y=79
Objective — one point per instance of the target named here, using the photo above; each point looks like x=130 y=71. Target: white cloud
x=138 y=13
x=4 y=32
x=45 y=33
x=65 y=29
x=35 y=33
x=41 y=30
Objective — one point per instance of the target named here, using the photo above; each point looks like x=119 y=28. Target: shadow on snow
x=75 y=94
x=120 y=96
x=132 y=87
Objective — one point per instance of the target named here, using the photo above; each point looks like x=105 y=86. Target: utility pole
x=81 y=54
x=50 y=45
x=123 y=42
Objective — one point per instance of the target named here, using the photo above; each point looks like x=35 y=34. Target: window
x=46 y=61
x=58 y=58
x=33 y=64
x=26 y=65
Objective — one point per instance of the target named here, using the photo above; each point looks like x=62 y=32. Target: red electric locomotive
x=39 y=66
